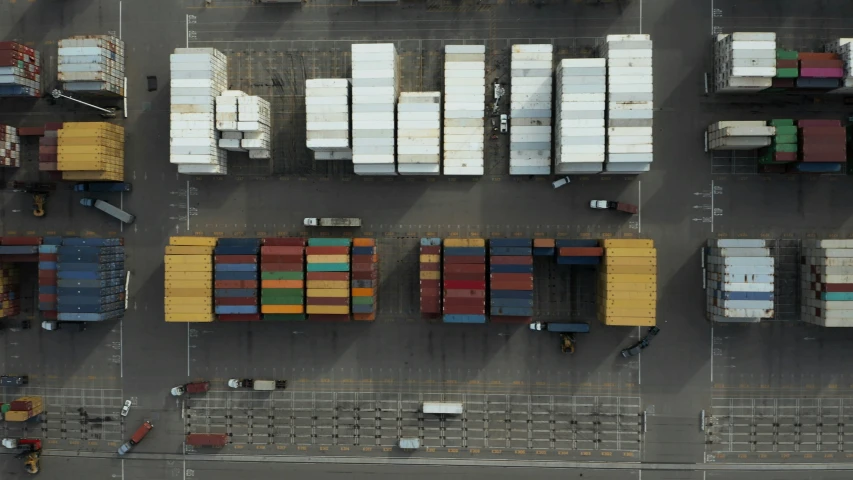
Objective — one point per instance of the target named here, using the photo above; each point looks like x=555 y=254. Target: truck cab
x=14 y=380
x=192 y=387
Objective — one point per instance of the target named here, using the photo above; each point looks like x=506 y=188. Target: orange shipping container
x=363 y=242
x=282 y=309
x=362 y=292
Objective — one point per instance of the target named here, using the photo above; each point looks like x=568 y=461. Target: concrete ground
x=771 y=393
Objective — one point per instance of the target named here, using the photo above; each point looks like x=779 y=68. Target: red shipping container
x=365 y=275
x=53 y=126
x=472 y=277
x=45 y=274
x=785 y=156
x=282 y=259
x=581 y=251
x=21 y=405
x=282 y=267
x=430 y=292
x=48 y=149
x=430 y=267
x=431 y=309
x=277 y=250
x=787 y=63
x=526 y=286
x=235 y=259
x=464 y=285
x=342 y=302
x=510 y=277
x=818 y=64
x=328 y=318
x=20 y=240
x=284 y=242
x=235 y=284
x=464 y=302
x=49 y=314
x=818 y=123
x=337 y=276
x=430 y=283
x=7 y=55
x=465 y=268
x=47 y=297
x=465 y=294
x=48 y=257
x=511 y=260
x=472 y=259
x=465 y=310
x=833 y=287
x=816 y=56
x=430 y=250
x=363 y=267
x=808 y=132
x=365 y=258
x=21 y=258
x=506 y=319
x=242 y=317
x=235 y=301
x=326 y=250
x=31 y=131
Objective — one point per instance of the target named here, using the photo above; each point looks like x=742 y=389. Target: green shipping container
x=327 y=267
x=281 y=301
x=329 y=242
x=781 y=122
x=787 y=72
x=282 y=276
x=782 y=54
x=285 y=317
x=362 y=300
x=785 y=138
x=783 y=130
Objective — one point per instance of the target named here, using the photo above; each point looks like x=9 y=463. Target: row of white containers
x=419 y=133
x=92 y=64
x=327 y=121
x=739 y=280
x=580 y=133
x=844 y=48
x=739 y=135
x=244 y=121
x=744 y=61
x=464 y=109
x=375 y=87
x=531 y=69
x=10 y=147
x=630 y=107
x=198 y=76
x=827 y=278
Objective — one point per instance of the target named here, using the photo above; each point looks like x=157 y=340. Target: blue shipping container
x=90 y=267
x=363 y=250
x=362 y=284
x=511 y=268
x=543 y=252
x=76 y=241
x=430 y=242
x=464 y=319
x=89 y=283
x=578 y=260
x=517 y=294
x=47 y=265
x=743 y=295
x=235 y=292
x=88 y=317
x=19 y=250
x=238 y=242
x=47 y=289
x=511 y=251
x=236 y=267
x=837 y=296
x=47 y=306
x=576 y=242
x=220 y=275
x=512 y=311
x=362 y=309
x=51 y=241
x=817 y=167
x=237 y=250
x=810 y=82
x=235 y=309
x=510 y=242
x=48 y=248
x=70 y=300
x=510 y=302
x=89 y=292
x=465 y=251
x=89 y=308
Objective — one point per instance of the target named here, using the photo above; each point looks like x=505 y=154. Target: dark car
x=634 y=349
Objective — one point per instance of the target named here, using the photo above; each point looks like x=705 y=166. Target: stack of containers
x=48 y=148
x=464 y=109
x=226 y=120
x=430 y=277
x=827 y=271
x=740 y=135
x=327 y=121
x=235 y=287
x=787 y=71
x=419 y=133
x=92 y=64
x=283 y=279
x=95 y=269
x=820 y=70
x=48 y=256
x=581 y=88
x=91 y=151
x=544 y=247
x=579 y=252
x=374 y=95
x=19 y=249
x=530 y=113
x=23 y=409
x=20 y=71
x=365 y=279
x=630 y=106
x=627 y=286
x=10 y=147
x=199 y=75
x=842 y=47
x=254 y=121
x=464 y=280
x=10 y=294
x=511 y=280
x=822 y=141
x=744 y=62
x=328 y=286
x=783 y=145
x=189 y=279
x=739 y=280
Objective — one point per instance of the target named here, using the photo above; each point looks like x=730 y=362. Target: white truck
x=332 y=222
x=266 y=385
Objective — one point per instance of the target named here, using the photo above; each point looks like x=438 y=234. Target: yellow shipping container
x=623 y=321
x=326 y=309
x=188 y=267
x=327 y=258
x=430 y=258
x=68 y=127
x=189 y=275
x=464 y=242
x=17 y=416
x=430 y=275
x=629 y=278
x=630 y=261
x=627 y=287
x=190 y=317
x=629 y=303
x=626 y=312
x=327 y=292
x=336 y=284
x=630 y=252
x=627 y=243
x=282 y=309
x=193 y=241
x=176 y=300
x=616 y=294
x=181 y=250
x=201 y=309
x=630 y=269
x=94 y=176
x=96 y=140
x=187 y=259
x=206 y=284
x=191 y=292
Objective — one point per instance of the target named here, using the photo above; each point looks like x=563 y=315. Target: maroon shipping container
x=284 y=242
x=21 y=405
x=48 y=149
x=453 y=302
x=506 y=319
x=282 y=259
x=808 y=132
x=430 y=267
x=315 y=317
x=217 y=440
x=20 y=240
x=282 y=267
x=785 y=156
x=326 y=250
x=279 y=250
x=30 y=131
x=465 y=268
x=48 y=314
x=47 y=297
x=338 y=276
x=235 y=259
x=832 y=287
x=511 y=285
x=511 y=260
x=472 y=277
x=235 y=301
x=818 y=123
x=510 y=277
x=430 y=250
x=787 y=64
x=48 y=257
x=581 y=251
x=329 y=301
x=465 y=294
x=365 y=275
x=473 y=259
x=364 y=259
x=45 y=274
x=364 y=267
x=235 y=284
x=21 y=258
x=241 y=317
x=818 y=64
x=464 y=310
x=464 y=285
x=430 y=283
x=430 y=292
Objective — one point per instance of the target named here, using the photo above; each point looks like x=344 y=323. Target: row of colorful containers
x=627 y=286
x=10 y=147
x=579 y=252
x=22 y=409
x=511 y=280
x=49 y=147
x=283 y=279
x=48 y=255
x=430 y=277
x=91 y=279
x=464 y=280
x=235 y=279
x=189 y=279
x=20 y=71
x=365 y=279
x=827 y=282
x=10 y=290
x=806 y=70
x=91 y=151
x=805 y=146
x=328 y=279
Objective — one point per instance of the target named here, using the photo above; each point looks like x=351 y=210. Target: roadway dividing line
x=712 y=206
x=639 y=360
x=712 y=18
x=641 y=16
x=121 y=346
x=712 y=353
x=640 y=202
x=188 y=30
x=121 y=206
x=119 y=37
x=188 y=202
x=188 y=349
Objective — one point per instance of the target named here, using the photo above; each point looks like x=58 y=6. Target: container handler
x=265 y=385
x=31 y=452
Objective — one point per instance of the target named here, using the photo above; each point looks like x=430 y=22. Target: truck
x=217 y=440
x=137 y=437
x=267 y=385
x=192 y=387
x=103 y=187
x=30 y=451
x=332 y=222
x=23 y=409
x=14 y=380
x=611 y=205
x=109 y=209
x=560 y=327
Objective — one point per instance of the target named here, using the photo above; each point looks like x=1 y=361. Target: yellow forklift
x=39 y=191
